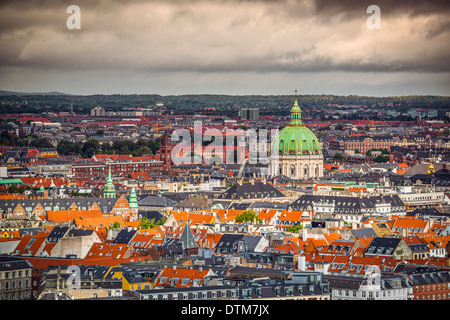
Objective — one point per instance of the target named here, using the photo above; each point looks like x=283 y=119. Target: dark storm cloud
x=388 y=7
x=224 y=36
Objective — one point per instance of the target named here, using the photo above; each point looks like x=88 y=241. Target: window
x=277 y=291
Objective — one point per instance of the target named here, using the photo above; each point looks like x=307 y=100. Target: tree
x=15 y=189
x=6 y=139
x=115 y=225
x=294 y=229
x=147 y=223
x=381 y=159
x=65 y=147
x=141 y=151
x=150 y=223
x=89 y=148
x=338 y=157
x=248 y=216
x=41 y=143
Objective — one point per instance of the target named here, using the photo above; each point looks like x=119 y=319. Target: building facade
x=15 y=278
x=378 y=287
x=118 y=168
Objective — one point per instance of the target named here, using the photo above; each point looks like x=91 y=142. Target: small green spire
x=109 y=179
x=133 y=199
x=109 y=191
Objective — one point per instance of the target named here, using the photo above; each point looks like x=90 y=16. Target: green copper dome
x=296 y=138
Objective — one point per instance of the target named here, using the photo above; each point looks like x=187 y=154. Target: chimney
x=302 y=263
x=304 y=234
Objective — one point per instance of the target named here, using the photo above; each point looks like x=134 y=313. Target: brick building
x=428 y=283
x=366 y=143
x=118 y=168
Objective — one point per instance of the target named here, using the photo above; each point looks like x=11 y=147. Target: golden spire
x=430 y=168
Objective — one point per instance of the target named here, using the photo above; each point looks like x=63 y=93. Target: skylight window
x=370 y=249
x=30 y=243
x=380 y=249
x=163 y=279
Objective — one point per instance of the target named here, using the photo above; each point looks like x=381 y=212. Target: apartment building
x=15 y=278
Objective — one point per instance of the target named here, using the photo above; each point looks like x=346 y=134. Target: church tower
x=133 y=205
x=164 y=152
x=110 y=190
x=190 y=246
x=296 y=151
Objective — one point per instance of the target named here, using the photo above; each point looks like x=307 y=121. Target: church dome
x=296 y=138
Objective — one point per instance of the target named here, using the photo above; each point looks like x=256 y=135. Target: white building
x=375 y=287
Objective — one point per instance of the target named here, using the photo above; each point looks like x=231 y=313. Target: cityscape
x=208 y=191
x=95 y=206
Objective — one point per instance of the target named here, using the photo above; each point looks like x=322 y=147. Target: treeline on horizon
x=200 y=103
x=84 y=149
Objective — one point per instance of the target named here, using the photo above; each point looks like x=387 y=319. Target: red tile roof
x=109 y=251
x=69 y=215
x=31 y=244
x=180 y=277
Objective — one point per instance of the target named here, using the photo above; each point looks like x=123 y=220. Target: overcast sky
x=226 y=47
